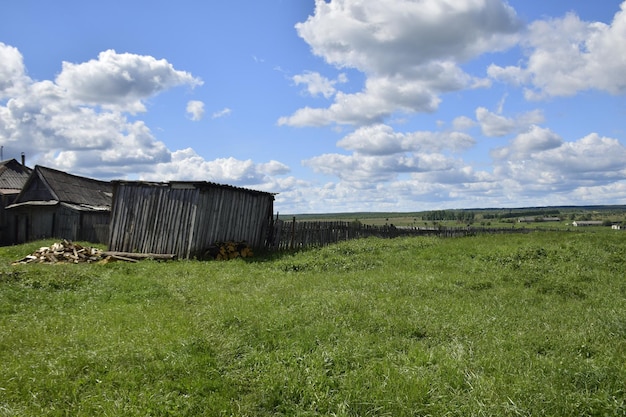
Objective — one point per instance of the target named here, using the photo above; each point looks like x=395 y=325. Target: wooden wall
x=186 y=218
x=7 y=225
x=60 y=222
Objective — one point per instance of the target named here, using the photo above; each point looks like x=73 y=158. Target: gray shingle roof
x=65 y=188
x=13 y=175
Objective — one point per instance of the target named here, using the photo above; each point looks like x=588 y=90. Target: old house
x=185 y=218
x=57 y=204
x=13 y=177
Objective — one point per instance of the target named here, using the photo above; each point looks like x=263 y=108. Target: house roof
x=53 y=186
x=13 y=176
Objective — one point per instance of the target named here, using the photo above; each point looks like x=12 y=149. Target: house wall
x=7 y=225
x=59 y=222
x=32 y=223
x=185 y=219
x=94 y=227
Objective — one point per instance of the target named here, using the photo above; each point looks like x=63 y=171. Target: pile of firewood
x=64 y=251
x=228 y=250
x=69 y=252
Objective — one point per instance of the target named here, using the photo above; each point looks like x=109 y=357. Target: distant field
x=481 y=217
x=500 y=325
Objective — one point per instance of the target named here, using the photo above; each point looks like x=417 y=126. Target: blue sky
x=337 y=106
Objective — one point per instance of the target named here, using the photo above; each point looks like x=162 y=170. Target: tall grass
x=531 y=325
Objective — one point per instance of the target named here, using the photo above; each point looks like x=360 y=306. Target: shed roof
x=190 y=184
x=61 y=187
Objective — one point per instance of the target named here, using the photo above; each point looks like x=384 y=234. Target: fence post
x=293 y=232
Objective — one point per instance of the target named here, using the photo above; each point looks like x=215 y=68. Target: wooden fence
x=291 y=235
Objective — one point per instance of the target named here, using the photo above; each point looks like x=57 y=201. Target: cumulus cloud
x=368 y=169
x=317 y=84
x=12 y=71
x=195 y=110
x=120 y=81
x=463 y=123
x=381 y=139
x=47 y=117
x=42 y=116
x=541 y=160
x=382 y=96
x=493 y=124
x=409 y=52
x=77 y=123
x=186 y=164
x=568 y=55
x=536 y=139
x=385 y=36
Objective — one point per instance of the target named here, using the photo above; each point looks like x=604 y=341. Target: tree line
x=463 y=216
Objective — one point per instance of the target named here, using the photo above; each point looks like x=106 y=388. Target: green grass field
x=501 y=325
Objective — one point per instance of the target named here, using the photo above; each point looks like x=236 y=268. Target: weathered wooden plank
x=134 y=255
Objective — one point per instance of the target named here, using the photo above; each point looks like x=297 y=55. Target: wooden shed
x=185 y=218
x=13 y=177
x=61 y=205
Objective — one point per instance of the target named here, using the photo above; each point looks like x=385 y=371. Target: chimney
x=23 y=159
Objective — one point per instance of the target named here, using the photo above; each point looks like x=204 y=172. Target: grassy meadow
x=499 y=325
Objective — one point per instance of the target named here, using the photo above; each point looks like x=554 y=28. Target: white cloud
x=463 y=123
x=186 y=164
x=195 y=109
x=408 y=50
x=383 y=96
x=493 y=124
x=79 y=126
x=368 y=169
x=120 y=81
x=522 y=147
x=567 y=55
x=410 y=59
x=48 y=121
x=540 y=160
x=386 y=36
x=222 y=113
x=12 y=72
x=383 y=140
x=317 y=84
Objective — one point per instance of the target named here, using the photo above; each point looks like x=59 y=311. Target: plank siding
x=185 y=218
x=61 y=222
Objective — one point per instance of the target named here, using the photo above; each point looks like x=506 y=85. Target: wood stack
x=63 y=252
x=228 y=250
x=69 y=252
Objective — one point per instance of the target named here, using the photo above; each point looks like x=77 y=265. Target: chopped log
x=135 y=256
